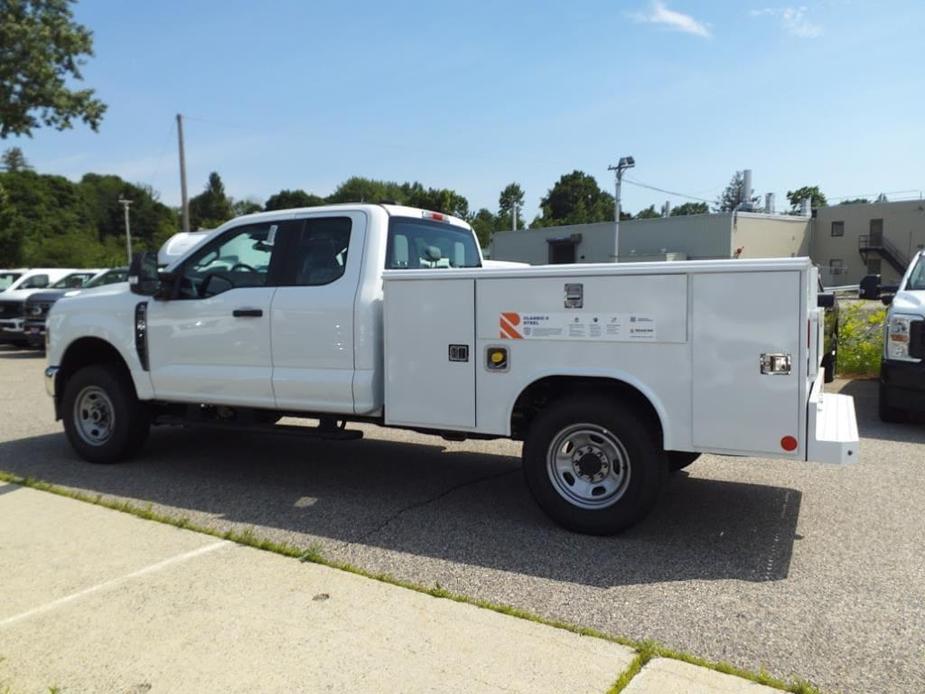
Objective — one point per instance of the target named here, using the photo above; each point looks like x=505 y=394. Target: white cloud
x=793 y=20
x=658 y=13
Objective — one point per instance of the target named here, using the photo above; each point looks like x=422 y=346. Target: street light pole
x=620 y=168
x=128 y=230
x=184 y=198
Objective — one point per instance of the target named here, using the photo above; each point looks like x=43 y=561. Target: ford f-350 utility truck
x=611 y=375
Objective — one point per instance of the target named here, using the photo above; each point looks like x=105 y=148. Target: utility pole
x=621 y=167
x=184 y=199
x=514 y=217
x=128 y=230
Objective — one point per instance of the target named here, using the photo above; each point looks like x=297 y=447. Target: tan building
x=688 y=237
x=850 y=241
x=847 y=242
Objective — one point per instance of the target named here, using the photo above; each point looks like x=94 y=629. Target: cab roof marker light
x=436 y=216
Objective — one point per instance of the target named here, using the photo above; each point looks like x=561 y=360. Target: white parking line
x=54 y=604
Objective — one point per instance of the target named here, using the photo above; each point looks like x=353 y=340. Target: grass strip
x=646 y=650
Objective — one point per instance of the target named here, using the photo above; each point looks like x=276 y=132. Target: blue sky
x=471 y=96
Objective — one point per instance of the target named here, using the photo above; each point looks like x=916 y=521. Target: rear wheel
x=103 y=418
x=593 y=465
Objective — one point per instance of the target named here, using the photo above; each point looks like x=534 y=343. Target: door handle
x=247 y=312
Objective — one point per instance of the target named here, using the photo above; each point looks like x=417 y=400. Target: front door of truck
x=210 y=343
x=312 y=314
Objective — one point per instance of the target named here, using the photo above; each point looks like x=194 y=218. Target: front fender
x=111 y=321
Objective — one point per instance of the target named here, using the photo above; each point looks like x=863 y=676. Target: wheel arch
x=87 y=351
x=549 y=388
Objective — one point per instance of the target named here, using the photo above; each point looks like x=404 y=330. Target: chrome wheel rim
x=94 y=416
x=588 y=466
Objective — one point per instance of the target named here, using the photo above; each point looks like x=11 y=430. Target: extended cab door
x=312 y=314
x=211 y=342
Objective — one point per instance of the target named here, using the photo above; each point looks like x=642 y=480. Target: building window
x=876 y=231
x=838 y=228
x=836 y=266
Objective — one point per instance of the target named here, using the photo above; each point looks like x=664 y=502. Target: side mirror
x=142 y=275
x=887 y=299
x=825 y=300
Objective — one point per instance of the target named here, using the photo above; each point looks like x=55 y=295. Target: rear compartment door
x=429 y=353
x=737 y=317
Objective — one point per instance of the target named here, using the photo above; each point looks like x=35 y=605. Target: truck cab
x=902 y=371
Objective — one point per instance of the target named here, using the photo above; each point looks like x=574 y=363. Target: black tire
x=128 y=426
x=678 y=460
x=889 y=414
x=830 y=364
x=615 y=424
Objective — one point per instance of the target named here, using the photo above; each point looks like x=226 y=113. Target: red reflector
x=789 y=443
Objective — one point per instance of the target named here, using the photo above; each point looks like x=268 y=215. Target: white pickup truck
x=611 y=375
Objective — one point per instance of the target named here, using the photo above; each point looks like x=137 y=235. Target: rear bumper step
x=832 y=427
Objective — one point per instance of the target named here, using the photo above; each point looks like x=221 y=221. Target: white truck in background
x=611 y=375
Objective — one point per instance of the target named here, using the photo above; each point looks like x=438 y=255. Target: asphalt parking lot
x=801 y=569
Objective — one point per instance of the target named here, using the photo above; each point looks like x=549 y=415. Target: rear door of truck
x=745 y=327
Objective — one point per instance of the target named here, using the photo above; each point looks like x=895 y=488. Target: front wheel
x=103 y=418
x=593 y=465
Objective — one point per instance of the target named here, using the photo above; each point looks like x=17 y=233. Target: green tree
x=484 y=224
x=288 y=199
x=817 y=198
x=648 y=213
x=690 y=208
x=242 y=207
x=510 y=198
x=11 y=232
x=855 y=201
x=42 y=49
x=152 y=221
x=733 y=196
x=576 y=198
x=359 y=189
x=211 y=207
x=14 y=160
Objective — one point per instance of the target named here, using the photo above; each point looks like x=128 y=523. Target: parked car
x=37 y=306
x=12 y=300
x=902 y=372
x=610 y=374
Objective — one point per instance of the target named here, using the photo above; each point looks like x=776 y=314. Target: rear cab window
x=416 y=244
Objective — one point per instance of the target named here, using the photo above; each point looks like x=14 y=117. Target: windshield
x=72 y=281
x=110 y=277
x=917 y=276
x=415 y=244
x=7 y=278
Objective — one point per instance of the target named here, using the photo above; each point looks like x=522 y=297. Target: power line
x=668 y=192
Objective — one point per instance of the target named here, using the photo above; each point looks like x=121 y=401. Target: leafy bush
x=860 y=339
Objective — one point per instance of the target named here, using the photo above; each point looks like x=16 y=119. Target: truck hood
x=74 y=300
x=19 y=294
x=49 y=295
x=909 y=302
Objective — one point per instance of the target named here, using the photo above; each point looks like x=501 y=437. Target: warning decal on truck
x=613 y=327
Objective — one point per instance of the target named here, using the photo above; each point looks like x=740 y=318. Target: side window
x=240 y=258
x=317 y=253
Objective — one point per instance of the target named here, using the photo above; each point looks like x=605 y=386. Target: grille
x=10 y=309
x=917 y=339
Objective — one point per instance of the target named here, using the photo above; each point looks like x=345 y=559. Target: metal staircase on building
x=879 y=244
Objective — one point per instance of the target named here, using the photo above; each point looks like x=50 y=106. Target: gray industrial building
x=845 y=241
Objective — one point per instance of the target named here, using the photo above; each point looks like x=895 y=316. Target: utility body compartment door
x=430 y=353
x=737 y=317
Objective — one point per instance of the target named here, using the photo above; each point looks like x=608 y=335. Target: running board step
x=319 y=432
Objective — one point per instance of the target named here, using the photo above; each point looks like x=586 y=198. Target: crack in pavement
x=420 y=504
